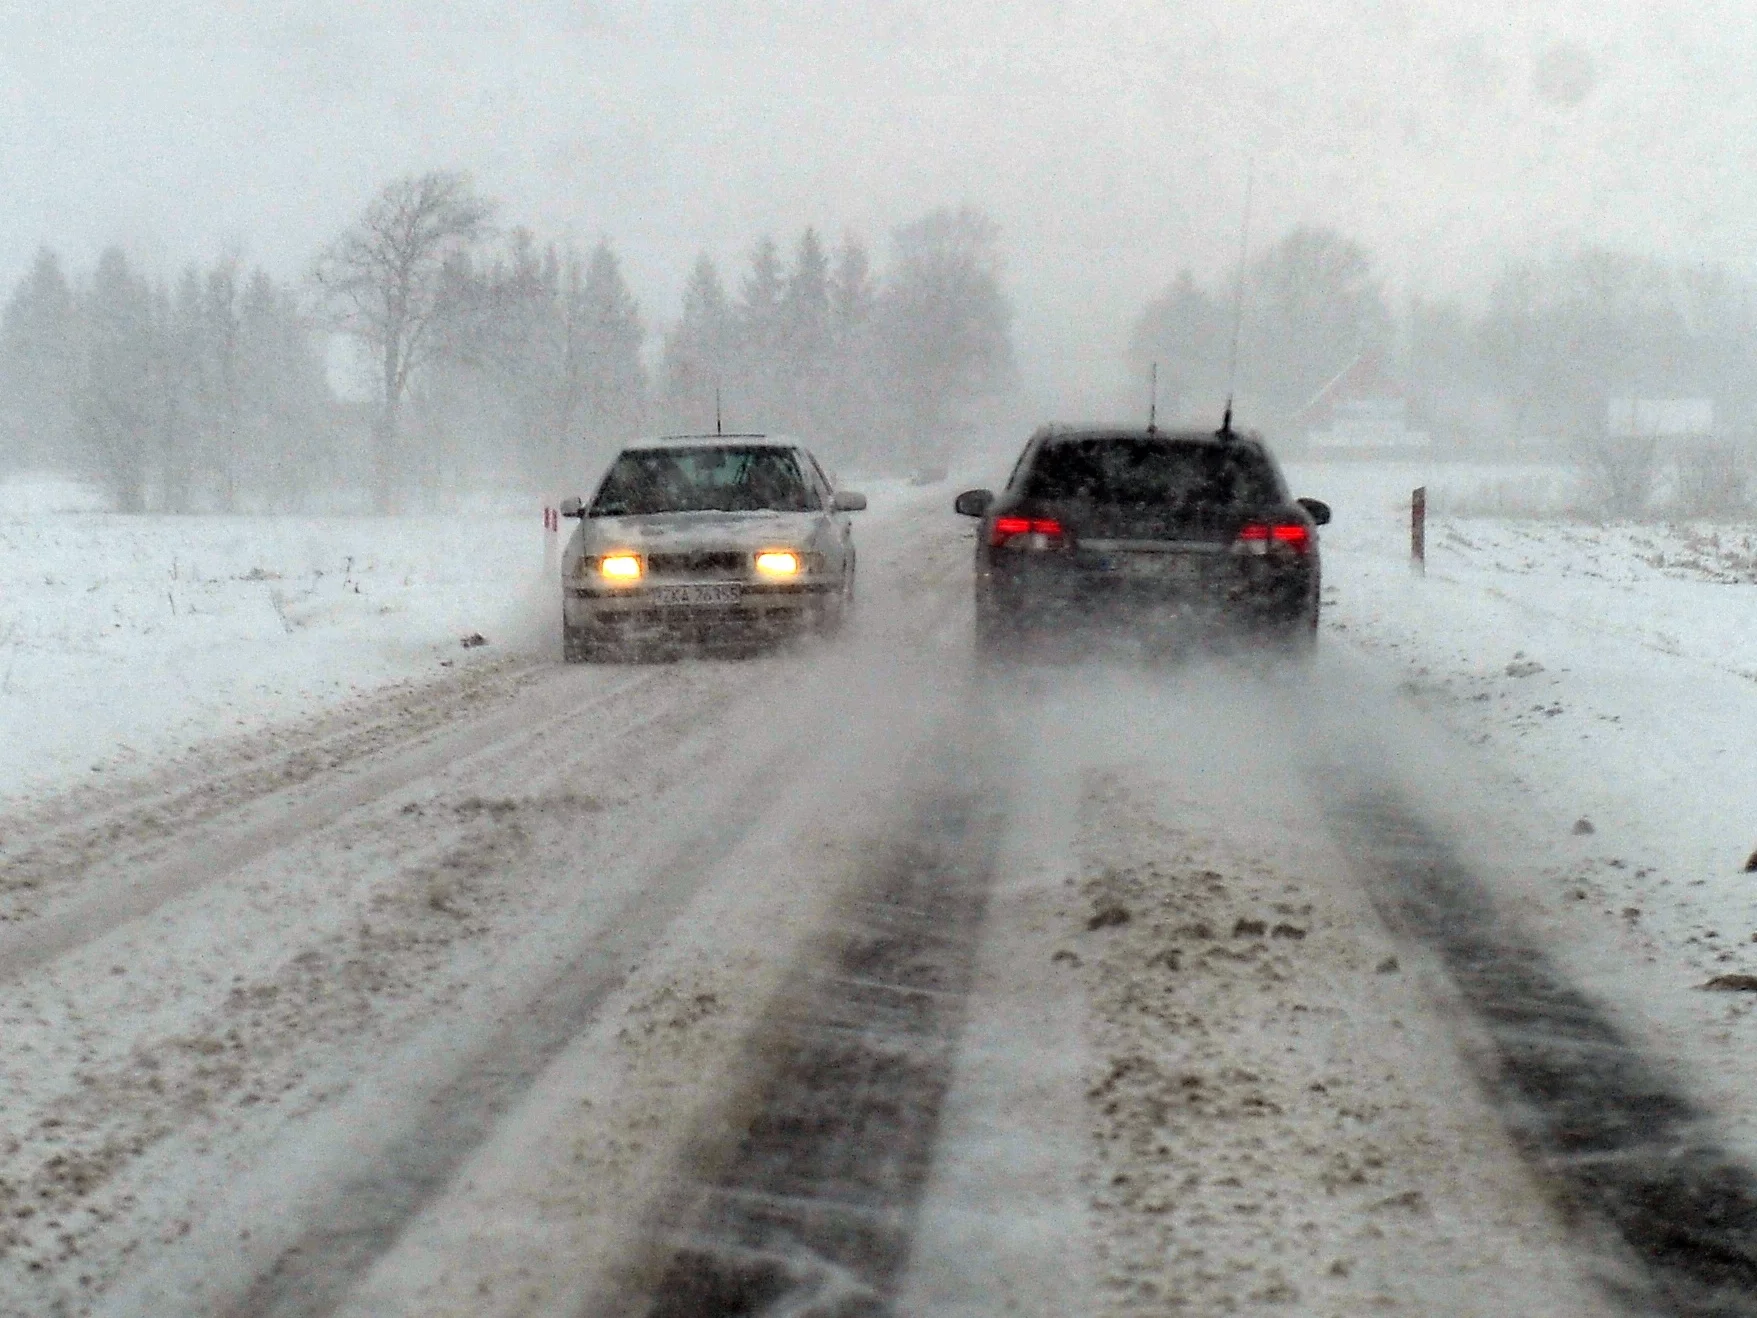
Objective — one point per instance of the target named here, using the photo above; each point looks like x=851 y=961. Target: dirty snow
x=1545 y=672
x=1252 y=1112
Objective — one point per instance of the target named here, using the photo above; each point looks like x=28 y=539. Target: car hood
x=687 y=531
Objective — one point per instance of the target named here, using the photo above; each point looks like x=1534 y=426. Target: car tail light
x=1258 y=537
x=1007 y=529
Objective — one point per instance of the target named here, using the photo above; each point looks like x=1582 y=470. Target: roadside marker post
x=1418 y=530
x=551 y=541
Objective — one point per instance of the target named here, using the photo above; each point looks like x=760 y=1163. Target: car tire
x=996 y=642
x=579 y=647
x=1298 y=640
x=832 y=619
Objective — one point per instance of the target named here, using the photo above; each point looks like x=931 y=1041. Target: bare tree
x=1313 y=303
x=383 y=281
x=1711 y=478
x=1619 y=472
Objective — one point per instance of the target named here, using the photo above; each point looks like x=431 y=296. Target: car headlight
x=620 y=568
x=778 y=563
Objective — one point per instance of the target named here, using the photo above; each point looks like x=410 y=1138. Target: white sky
x=1108 y=138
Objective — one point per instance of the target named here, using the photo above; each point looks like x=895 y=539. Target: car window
x=715 y=479
x=1131 y=472
x=1018 y=467
x=825 y=484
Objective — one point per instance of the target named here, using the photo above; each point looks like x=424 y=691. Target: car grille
x=705 y=563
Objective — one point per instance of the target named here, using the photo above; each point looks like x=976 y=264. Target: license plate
x=695 y=594
x=1156 y=567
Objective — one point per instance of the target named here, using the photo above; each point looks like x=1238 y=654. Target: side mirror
x=571 y=508
x=846 y=501
x=1319 y=510
x=973 y=503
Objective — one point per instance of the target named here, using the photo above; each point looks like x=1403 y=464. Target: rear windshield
x=694 y=480
x=1128 y=472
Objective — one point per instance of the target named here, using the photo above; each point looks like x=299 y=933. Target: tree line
x=209 y=392
x=1549 y=345
x=485 y=359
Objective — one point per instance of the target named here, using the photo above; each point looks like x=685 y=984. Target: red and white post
x=551 y=542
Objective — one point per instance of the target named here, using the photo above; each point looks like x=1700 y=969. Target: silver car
x=714 y=540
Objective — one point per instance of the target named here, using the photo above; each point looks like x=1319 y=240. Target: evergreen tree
x=858 y=416
x=757 y=391
x=39 y=369
x=946 y=324
x=805 y=338
x=283 y=397
x=699 y=350
x=610 y=340
x=852 y=294
x=116 y=412
x=182 y=390
x=222 y=326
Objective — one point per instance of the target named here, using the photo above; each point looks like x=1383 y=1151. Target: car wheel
x=1299 y=639
x=996 y=642
x=578 y=646
x=832 y=618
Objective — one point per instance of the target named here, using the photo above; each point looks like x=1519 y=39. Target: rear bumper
x=1225 y=593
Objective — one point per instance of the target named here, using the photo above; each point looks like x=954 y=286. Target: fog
x=1109 y=142
x=1221 y=874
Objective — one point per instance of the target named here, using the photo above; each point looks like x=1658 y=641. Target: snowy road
x=852 y=980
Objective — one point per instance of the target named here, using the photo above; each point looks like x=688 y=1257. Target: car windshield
x=694 y=480
x=1140 y=472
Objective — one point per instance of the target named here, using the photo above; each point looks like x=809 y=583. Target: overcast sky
x=1108 y=138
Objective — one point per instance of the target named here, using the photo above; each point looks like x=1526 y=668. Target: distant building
x=1361 y=410
x=1660 y=418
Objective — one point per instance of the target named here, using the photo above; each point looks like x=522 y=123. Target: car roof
x=741 y=440
x=1062 y=434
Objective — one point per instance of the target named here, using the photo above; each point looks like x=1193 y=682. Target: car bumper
x=656 y=613
x=1214 y=594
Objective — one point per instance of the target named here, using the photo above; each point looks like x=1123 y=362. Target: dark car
x=1154 y=533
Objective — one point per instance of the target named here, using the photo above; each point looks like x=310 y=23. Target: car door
x=841 y=524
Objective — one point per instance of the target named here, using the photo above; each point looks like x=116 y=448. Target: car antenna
x=1153 y=402
x=1238 y=300
x=717 y=429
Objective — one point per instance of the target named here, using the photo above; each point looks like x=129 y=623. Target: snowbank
x=123 y=638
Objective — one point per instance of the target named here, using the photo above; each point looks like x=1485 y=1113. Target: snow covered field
x=537 y=908
x=125 y=638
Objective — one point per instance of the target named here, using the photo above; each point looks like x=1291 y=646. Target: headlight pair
x=623 y=569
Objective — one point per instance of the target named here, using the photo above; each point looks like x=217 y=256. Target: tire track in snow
x=286 y=820
x=131 y=820
x=1627 y=1153
x=363 y=1215
x=811 y=1206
